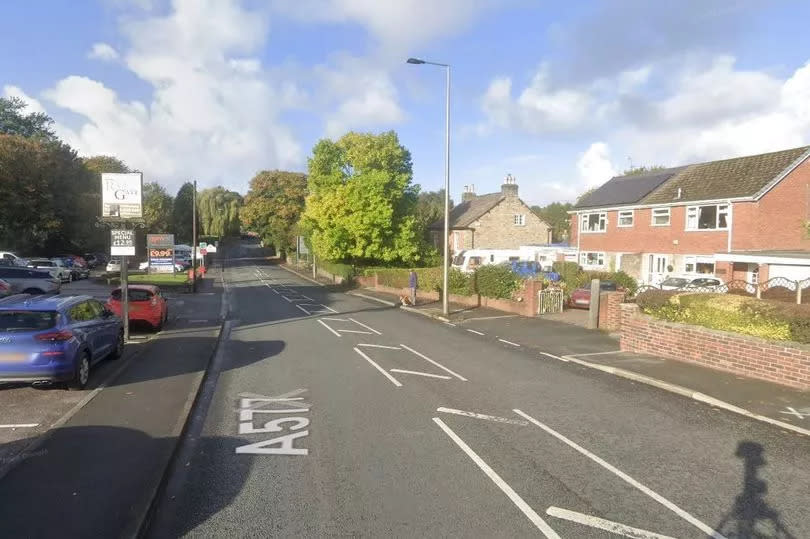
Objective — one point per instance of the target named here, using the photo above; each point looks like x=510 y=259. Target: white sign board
x=211 y=248
x=121 y=195
x=122 y=242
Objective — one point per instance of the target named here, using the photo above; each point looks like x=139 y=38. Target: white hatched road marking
x=649 y=492
x=365 y=326
x=19 y=426
x=494 y=418
x=419 y=373
x=330 y=329
x=380 y=346
x=603 y=524
x=383 y=371
x=354 y=331
x=801 y=414
x=336 y=319
x=476 y=332
x=509 y=342
x=555 y=357
x=521 y=504
x=445 y=369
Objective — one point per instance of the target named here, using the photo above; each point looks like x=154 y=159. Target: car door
x=83 y=321
x=109 y=328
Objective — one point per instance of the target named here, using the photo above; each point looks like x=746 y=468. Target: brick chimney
x=509 y=189
x=469 y=193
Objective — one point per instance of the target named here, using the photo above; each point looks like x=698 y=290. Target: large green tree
x=361 y=204
x=182 y=213
x=556 y=216
x=157 y=208
x=273 y=207
x=219 y=212
x=105 y=163
x=634 y=171
x=14 y=120
x=430 y=207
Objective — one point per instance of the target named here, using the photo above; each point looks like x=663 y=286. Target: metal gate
x=550 y=301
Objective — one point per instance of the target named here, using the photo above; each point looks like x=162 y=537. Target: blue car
x=56 y=338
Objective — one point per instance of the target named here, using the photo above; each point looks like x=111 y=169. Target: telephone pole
x=194 y=238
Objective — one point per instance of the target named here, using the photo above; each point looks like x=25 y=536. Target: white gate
x=550 y=301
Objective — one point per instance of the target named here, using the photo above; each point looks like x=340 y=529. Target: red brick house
x=744 y=218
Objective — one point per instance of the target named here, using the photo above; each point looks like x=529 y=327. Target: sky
x=562 y=95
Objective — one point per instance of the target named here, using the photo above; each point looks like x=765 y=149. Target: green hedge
x=498 y=281
x=337 y=268
x=427 y=278
x=749 y=316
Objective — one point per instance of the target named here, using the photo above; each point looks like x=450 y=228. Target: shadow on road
x=752 y=517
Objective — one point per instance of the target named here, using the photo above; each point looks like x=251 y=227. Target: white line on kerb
x=385 y=373
x=554 y=357
x=532 y=515
x=603 y=524
x=494 y=418
x=509 y=342
x=476 y=332
x=419 y=373
x=423 y=356
x=649 y=492
x=19 y=426
x=365 y=326
x=380 y=346
x=330 y=329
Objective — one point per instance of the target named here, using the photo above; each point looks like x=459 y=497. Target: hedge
x=728 y=312
x=337 y=268
x=497 y=281
x=427 y=278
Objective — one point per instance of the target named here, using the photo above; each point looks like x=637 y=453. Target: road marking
x=385 y=373
x=330 y=329
x=596 y=353
x=450 y=324
x=445 y=369
x=532 y=515
x=306 y=311
x=19 y=426
x=322 y=305
x=555 y=357
x=380 y=346
x=336 y=319
x=354 y=331
x=792 y=411
x=365 y=326
x=602 y=524
x=626 y=478
x=494 y=418
x=198 y=321
x=492 y=317
x=509 y=342
x=476 y=332
x=418 y=373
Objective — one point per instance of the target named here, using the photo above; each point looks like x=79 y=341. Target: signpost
x=122 y=242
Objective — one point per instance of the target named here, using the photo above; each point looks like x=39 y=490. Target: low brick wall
x=782 y=362
x=610 y=313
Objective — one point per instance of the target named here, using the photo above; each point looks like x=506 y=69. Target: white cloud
x=594 y=165
x=32 y=105
x=103 y=51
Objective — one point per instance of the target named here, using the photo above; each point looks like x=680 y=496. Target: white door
x=656 y=269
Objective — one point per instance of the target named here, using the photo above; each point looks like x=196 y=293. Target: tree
x=430 y=207
x=556 y=216
x=273 y=207
x=105 y=163
x=157 y=208
x=632 y=171
x=219 y=212
x=361 y=204
x=31 y=125
x=182 y=214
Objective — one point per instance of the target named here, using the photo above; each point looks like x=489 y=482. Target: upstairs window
x=519 y=219
x=711 y=217
x=660 y=217
x=594 y=222
x=626 y=218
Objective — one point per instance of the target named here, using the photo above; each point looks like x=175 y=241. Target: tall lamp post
x=446 y=268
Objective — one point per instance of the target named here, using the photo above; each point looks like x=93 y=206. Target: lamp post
x=446 y=260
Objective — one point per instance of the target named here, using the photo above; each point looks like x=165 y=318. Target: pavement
x=326 y=414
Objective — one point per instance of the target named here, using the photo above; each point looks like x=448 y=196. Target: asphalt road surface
x=328 y=415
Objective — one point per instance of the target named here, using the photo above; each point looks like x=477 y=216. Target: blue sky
x=559 y=94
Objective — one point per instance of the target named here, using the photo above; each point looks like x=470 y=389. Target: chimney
x=468 y=194
x=509 y=189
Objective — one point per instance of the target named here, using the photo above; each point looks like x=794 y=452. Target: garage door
x=794 y=273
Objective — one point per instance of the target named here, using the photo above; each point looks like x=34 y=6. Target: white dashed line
x=509 y=342
x=330 y=329
x=476 y=332
x=494 y=418
x=419 y=373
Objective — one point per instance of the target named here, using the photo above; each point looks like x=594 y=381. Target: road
x=324 y=414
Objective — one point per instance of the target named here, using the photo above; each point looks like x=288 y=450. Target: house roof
x=626 y=190
x=466 y=213
x=729 y=178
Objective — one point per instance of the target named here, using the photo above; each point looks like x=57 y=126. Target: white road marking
x=336 y=319
x=380 y=346
x=354 y=331
x=792 y=411
x=494 y=418
x=492 y=317
x=532 y=515
x=476 y=332
x=320 y=304
x=274 y=290
x=596 y=353
x=555 y=357
x=649 y=492
x=450 y=324
x=603 y=524
x=385 y=373
x=306 y=311
x=418 y=373
x=445 y=369
x=19 y=426
x=330 y=329
x=509 y=342
x=365 y=326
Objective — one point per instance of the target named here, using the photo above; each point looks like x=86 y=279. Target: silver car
x=30 y=281
x=55 y=267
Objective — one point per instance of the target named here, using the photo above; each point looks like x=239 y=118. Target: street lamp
x=446 y=269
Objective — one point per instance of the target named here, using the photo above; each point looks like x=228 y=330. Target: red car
x=146 y=304
x=581 y=297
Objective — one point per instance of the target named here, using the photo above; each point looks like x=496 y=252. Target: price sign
x=122 y=242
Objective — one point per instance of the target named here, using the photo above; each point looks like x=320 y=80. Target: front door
x=752 y=275
x=656 y=269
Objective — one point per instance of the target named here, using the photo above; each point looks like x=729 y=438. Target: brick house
x=492 y=221
x=740 y=219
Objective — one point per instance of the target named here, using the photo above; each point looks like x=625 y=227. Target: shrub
x=654 y=299
x=497 y=281
x=337 y=268
x=427 y=278
x=459 y=283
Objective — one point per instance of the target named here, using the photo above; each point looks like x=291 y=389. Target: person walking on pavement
x=413 y=283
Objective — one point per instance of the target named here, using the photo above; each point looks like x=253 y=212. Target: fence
x=550 y=301
x=778 y=288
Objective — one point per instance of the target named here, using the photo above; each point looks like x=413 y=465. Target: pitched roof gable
x=466 y=213
x=626 y=190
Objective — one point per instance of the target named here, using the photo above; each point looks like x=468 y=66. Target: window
x=82 y=312
x=592 y=259
x=594 y=222
x=714 y=217
x=519 y=219
x=698 y=264
x=660 y=217
x=475 y=261
x=626 y=218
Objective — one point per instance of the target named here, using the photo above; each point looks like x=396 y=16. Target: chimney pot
x=509 y=188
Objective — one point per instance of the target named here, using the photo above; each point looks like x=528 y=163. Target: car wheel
x=118 y=351
x=82 y=374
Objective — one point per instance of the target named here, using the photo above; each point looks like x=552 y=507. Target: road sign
x=122 y=242
x=121 y=196
x=203 y=245
x=211 y=248
x=203 y=251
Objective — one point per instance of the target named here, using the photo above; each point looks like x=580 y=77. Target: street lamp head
x=415 y=61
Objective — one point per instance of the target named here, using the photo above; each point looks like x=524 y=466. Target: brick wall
x=610 y=313
x=775 y=361
x=497 y=230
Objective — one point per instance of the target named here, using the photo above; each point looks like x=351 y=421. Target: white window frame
x=602 y=222
x=624 y=214
x=519 y=219
x=600 y=259
x=661 y=211
x=695 y=216
x=694 y=260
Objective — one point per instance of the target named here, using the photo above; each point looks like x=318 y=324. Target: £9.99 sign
x=161 y=259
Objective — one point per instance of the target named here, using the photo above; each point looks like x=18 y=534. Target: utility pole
x=125 y=296
x=194 y=238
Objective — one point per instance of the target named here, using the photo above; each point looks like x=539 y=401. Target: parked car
x=14 y=259
x=114 y=265
x=30 y=281
x=146 y=304
x=5 y=288
x=581 y=297
x=77 y=270
x=56 y=268
x=705 y=283
x=56 y=338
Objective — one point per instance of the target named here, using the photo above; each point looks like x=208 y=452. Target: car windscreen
x=11 y=321
x=134 y=295
x=673 y=281
x=607 y=285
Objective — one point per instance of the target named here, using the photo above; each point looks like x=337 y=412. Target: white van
x=469 y=260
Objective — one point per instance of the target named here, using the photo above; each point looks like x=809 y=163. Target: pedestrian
x=413 y=282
